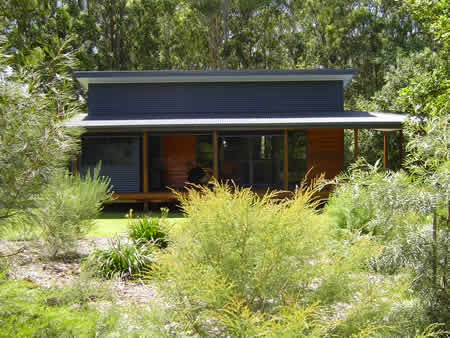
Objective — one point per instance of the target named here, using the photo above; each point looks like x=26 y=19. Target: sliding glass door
x=249 y=158
x=177 y=158
x=252 y=158
x=296 y=158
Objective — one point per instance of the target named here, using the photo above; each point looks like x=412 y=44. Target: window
x=120 y=158
x=296 y=157
x=173 y=156
x=252 y=158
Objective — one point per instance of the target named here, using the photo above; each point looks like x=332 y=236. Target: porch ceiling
x=346 y=119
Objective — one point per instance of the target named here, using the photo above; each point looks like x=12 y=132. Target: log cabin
x=263 y=129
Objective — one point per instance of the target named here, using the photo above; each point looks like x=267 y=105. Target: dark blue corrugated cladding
x=120 y=157
x=115 y=100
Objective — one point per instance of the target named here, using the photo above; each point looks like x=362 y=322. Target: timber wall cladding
x=178 y=153
x=325 y=152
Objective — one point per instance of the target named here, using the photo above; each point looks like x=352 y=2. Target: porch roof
x=242 y=121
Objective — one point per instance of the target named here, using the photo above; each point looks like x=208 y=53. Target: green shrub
x=28 y=311
x=83 y=309
x=4 y=269
x=124 y=260
x=352 y=208
x=244 y=265
x=68 y=207
x=376 y=202
x=19 y=228
x=149 y=229
x=409 y=218
x=34 y=142
x=79 y=293
x=240 y=259
x=252 y=242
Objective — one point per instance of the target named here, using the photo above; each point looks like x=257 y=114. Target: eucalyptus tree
x=183 y=37
x=416 y=82
x=257 y=35
x=213 y=15
x=363 y=34
x=32 y=24
x=143 y=33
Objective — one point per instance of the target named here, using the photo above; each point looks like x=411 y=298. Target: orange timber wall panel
x=325 y=151
x=178 y=153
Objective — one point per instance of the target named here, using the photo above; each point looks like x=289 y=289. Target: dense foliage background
x=399 y=49
x=375 y=262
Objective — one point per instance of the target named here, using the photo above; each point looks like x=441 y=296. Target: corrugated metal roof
x=347 y=119
x=250 y=75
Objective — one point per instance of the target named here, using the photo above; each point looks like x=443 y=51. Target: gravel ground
x=29 y=264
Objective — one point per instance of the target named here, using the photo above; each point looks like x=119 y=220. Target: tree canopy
x=399 y=49
x=368 y=35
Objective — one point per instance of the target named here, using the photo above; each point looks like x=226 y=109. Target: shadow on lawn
x=115 y=211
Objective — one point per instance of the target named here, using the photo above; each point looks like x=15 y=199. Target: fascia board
x=86 y=80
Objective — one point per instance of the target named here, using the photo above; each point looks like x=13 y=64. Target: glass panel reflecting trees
x=252 y=159
x=120 y=158
x=296 y=157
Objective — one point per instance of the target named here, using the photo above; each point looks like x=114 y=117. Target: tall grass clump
x=124 y=260
x=149 y=229
x=245 y=265
x=130 y=257
x=67 y=208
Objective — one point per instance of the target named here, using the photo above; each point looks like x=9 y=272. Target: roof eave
x=138 y=128
x=86 y=78
x=138 y=125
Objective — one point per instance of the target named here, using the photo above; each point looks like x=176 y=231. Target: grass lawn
x=110 y=222
x=114 y=222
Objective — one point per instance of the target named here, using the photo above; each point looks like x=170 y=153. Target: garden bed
x=29 y=264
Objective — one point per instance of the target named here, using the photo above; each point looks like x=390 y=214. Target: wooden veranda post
x=286 y=160
x=75 y=164
x=355 y=141
x=385 y=149
x=215 y=158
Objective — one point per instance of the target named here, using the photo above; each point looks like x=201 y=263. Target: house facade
x=155 y=130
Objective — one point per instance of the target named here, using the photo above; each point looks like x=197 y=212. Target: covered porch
x=144 y=158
